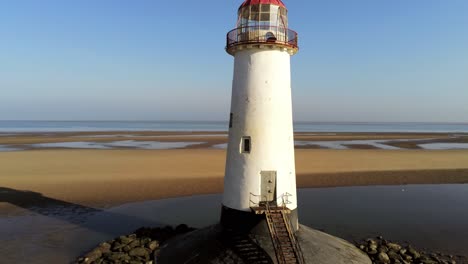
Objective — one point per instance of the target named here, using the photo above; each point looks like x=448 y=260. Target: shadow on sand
x=98 y=220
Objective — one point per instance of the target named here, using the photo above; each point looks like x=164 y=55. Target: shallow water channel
x=433 y=217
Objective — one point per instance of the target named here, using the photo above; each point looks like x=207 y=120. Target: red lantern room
x=262 y=22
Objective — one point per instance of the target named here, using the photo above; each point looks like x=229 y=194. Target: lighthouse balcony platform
x=262 y=36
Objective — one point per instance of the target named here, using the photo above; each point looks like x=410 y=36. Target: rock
x=428 y=261
x=414 y=252
x=105 y=248
x=383 y=257
x=145 y=240
x=402 y=251
x=117 y=246
x=153 y=245
x=394 y=246
x=134 y=243
x=183 y=228
x=105 y=245
x=362 y=247
x=93 y=255
x=407 y=257
x=138 y=252
x=383 y=249
x=126 y=248
x=394 y=256
x=126 y=240
x=135 y=262
x=119 y=256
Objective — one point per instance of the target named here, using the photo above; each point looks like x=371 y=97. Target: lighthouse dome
x=265 y=13
x=266 y=2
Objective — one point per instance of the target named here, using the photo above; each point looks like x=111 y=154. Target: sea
x=187 y=126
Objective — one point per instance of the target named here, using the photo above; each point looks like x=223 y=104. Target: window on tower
x=246 y=145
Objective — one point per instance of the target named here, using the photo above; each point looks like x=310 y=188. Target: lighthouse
x=260 y=167
x=259 y=220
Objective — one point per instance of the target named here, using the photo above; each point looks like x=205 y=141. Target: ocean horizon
x=188 y=126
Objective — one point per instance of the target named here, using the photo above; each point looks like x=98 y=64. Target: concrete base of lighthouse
x=214 y=245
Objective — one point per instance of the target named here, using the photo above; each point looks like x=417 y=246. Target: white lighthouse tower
x=259 y=222
x=260 y=167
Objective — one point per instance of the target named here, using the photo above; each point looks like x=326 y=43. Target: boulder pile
x=382 y=251
x=137 y=248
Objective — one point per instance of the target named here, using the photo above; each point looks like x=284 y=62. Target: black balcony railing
x=262 y=35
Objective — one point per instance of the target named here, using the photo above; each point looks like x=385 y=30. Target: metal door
x=268 y=186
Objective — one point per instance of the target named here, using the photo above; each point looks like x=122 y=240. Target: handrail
x=284 y=199
x=296 y=245
x=262 y=34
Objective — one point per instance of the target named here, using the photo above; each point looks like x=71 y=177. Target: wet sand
x=209 y=139
x=104 y=178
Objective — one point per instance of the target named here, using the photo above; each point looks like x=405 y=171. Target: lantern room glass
x=262 y=24
x=263 y=15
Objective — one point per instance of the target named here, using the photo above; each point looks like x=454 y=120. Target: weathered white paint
x=262 y=109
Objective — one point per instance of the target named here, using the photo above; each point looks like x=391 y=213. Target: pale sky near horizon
x=360 y=60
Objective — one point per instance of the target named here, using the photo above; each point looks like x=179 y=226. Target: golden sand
x=103 y=178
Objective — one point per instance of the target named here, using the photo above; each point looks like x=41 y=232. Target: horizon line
x=226 y=121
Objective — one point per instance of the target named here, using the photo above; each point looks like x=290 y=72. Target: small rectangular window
x=246 y=145
x=265 y=17
x=230 y=120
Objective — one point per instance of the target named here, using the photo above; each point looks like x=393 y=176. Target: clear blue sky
x=360 y=60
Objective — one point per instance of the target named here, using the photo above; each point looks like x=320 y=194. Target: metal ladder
x=284 y=240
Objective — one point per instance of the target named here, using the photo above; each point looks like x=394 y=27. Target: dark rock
x=105 y=248
x=414 y=252
x=145 y=241
x=153 y=245
x=383 y=257
x=383 y=249
x=394 y=246
x=126 y=248
x=93 y=255
x=117 y=246
x=139 y=252
x=407 y=257
x=119 y=256
x=181 y=229
x=126 y=239
x=394 y=256
x=134 y=243
x=426 y=260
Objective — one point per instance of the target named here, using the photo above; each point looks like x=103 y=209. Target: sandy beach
x=58 y=187
x=104 y=178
